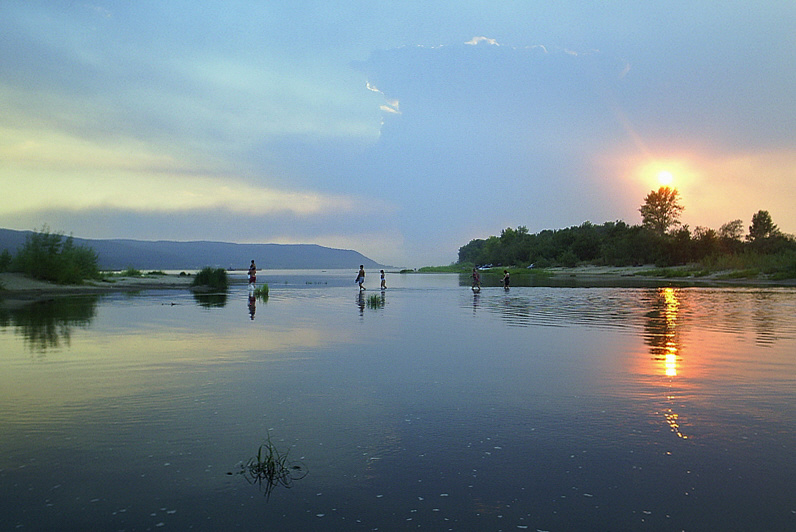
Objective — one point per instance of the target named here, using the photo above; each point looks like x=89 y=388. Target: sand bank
x=18 y=287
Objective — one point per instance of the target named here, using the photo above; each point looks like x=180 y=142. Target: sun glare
x=665 y=178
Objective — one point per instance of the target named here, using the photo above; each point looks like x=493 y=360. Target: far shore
x=628 y=276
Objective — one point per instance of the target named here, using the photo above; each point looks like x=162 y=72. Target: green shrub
x=131 y=272
x=212 y=277
x=5 y=260
x=47 y=256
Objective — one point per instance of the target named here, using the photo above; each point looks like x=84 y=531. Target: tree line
x=660 y=239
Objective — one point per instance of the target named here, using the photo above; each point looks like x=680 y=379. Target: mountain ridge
x=121 y=253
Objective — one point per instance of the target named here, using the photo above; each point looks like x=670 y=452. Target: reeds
x=271 y=468
x=261 y=292
x=375 y=301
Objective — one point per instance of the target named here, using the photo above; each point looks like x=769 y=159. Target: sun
x=665 y=178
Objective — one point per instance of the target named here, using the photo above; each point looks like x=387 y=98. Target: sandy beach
x=16 y=287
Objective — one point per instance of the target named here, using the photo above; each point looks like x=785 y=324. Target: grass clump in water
x=271 y=468
x=261 y=292
x=375 y=301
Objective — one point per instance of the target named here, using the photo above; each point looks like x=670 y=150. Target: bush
x=212 y=278
x=5 y=260
x=131 y=272
x=47 y=256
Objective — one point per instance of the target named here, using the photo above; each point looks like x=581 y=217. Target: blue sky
x=400 y=129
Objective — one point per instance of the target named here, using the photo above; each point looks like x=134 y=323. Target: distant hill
x=171 y=255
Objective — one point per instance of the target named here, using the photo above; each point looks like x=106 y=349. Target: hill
x=117 y=254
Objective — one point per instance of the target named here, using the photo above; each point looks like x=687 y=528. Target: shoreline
x=16 y=288
x=628 y=276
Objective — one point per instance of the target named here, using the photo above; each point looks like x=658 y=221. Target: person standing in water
x=252 y=275
x=506 y=279
x=476 y=280
x=383 y=281
x=361 y=277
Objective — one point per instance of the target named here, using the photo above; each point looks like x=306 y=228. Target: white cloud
x=477 y=40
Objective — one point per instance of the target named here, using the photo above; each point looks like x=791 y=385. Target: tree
x=661 y=210
x=49 y=257
x=732 y=230
x=5 y=260
x=762 y=227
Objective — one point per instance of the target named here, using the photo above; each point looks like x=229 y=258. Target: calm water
x=550 y=409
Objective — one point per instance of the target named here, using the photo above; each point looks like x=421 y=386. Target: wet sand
x=16 y=287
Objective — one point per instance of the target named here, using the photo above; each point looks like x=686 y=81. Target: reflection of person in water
x=361 y=303
x=252 y=305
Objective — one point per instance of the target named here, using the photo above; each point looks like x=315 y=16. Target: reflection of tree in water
x=215 y=300
x=662 y=335
x=48 y=324
x=764 y=318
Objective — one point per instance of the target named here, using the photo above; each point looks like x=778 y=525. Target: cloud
x=68 y=173
x=475 y=41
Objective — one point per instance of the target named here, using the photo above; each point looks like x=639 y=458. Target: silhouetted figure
x=476 y=280
x=252 y=275
x=361 y=277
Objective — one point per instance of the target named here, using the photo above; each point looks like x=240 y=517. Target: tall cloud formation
x=492 y=133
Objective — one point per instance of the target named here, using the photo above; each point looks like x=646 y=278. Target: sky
x=400 y=129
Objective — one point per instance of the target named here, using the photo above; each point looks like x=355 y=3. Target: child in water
x=383 y=281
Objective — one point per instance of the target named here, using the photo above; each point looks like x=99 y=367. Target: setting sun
x=665 y=178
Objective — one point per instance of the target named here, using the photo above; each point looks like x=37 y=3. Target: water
x=429 y=407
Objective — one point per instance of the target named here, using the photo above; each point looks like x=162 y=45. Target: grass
x=375 y=301
x=128 y=272
x=271 y=468
x=669 y=273
x=261 y=292
x=750 y=273
x=451 y=268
